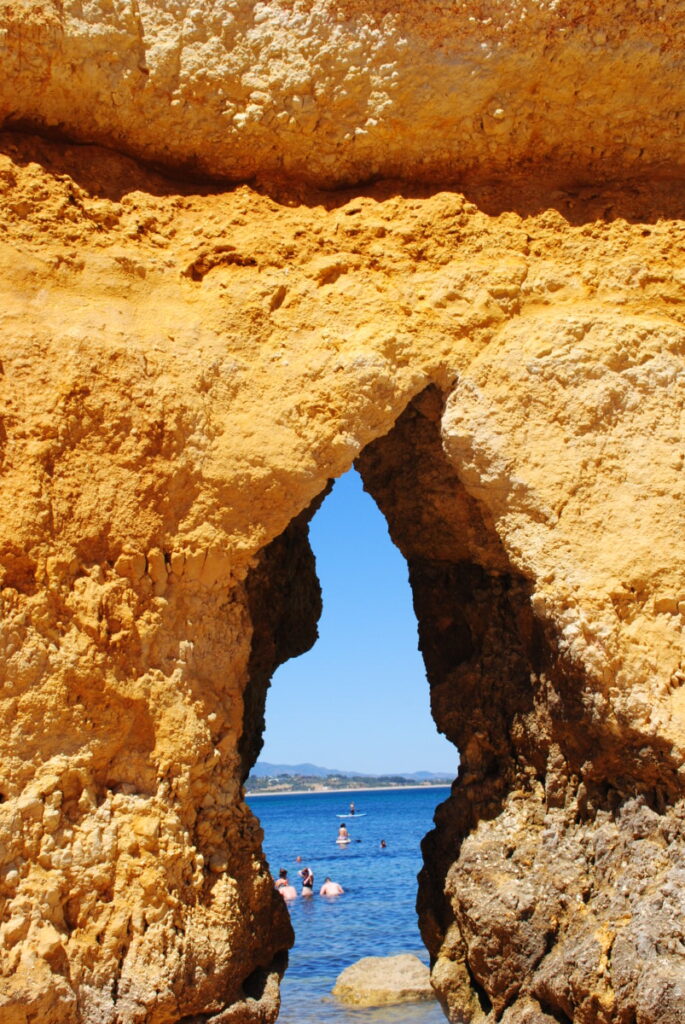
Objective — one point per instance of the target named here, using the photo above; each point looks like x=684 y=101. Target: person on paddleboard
x=342 y=832
x=352 y=807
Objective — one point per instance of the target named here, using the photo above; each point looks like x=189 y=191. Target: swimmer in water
x=331 y=888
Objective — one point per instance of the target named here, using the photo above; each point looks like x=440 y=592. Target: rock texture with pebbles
x=183 y=369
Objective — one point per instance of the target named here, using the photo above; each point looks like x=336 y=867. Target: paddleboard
x=349 y=817
x=343 y=842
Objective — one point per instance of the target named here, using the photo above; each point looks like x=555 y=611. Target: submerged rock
x=383 y=980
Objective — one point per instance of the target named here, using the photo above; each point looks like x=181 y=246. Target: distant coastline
x=267 y=779
x=350 y=789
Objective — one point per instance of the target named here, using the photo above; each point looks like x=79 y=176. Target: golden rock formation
x=185 y=366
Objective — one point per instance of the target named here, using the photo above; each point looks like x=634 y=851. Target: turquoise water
x=376 y=916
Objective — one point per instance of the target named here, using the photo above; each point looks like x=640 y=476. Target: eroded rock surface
x=183 y=370
x=338 y=91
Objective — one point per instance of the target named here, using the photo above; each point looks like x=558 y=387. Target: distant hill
x=264 y=769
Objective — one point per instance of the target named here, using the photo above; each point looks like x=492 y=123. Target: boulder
x=383 y=980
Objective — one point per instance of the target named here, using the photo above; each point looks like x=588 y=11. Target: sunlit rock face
x=184 y=367
x=338 y=91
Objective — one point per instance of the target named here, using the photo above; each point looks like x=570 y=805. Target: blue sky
x=359 y=699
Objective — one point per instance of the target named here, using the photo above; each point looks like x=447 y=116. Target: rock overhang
x=337 y=92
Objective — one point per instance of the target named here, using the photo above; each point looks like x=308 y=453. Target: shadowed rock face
x=284 y=605
x=184 y=368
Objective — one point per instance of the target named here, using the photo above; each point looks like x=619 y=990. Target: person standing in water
x=287 y=891
x=307 y=876
x=331 y=888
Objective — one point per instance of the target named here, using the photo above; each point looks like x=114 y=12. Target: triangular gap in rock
x=358 y=699
x=368 y=649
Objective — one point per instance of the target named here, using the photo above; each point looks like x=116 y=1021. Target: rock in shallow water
x=382 y=980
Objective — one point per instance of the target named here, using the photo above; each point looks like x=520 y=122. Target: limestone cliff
x=183 y=369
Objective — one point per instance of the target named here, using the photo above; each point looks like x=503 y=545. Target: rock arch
x=184 y=367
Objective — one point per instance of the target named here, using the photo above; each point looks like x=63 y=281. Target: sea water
x=376 y=916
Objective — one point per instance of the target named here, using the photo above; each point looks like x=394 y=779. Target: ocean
x=376 y=916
